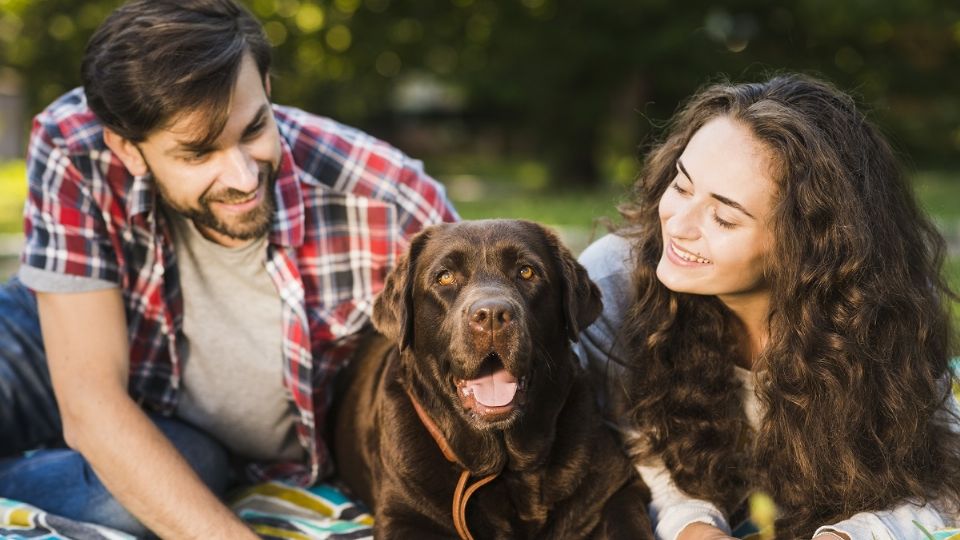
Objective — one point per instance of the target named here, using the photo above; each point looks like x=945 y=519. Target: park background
x=541 y=108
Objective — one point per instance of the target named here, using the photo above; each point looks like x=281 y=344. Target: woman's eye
x=723 y=223
x=678 y=189
x=526 y=272
x=445 y=278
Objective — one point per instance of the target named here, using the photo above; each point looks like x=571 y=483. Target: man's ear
x=126 y=151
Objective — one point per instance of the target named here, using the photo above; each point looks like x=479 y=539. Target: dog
x=467 y=415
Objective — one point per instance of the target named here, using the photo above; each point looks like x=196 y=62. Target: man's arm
x=87 y=350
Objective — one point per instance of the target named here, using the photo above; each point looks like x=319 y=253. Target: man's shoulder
x=70 y=124
x=333 y=155
x=294 y=121
x=66 y=155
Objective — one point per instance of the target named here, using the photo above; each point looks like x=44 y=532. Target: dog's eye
x=526 y=272
x=445 y=278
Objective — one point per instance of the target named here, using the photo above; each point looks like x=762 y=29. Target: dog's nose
x=490 y=315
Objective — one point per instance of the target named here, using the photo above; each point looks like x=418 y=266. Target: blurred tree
x=44 y=40
x=567 y=81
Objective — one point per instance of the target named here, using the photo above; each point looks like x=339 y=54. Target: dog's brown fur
x=562 y=474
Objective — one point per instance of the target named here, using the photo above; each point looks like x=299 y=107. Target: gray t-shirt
x=232 y=383
x=233 y=362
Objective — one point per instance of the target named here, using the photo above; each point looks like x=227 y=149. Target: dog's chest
x=516 y=505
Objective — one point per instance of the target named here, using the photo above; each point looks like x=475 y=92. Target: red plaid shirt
x=347 y=205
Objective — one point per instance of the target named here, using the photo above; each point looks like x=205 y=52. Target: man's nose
x=240 y=171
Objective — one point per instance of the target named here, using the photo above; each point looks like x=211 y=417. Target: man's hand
x=702 y=531
x=85 y=336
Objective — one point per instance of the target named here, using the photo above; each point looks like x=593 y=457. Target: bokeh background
x=541 y=108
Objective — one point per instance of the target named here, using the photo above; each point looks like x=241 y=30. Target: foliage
x=573 y=83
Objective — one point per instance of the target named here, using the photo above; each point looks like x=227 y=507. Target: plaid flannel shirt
x=347 y=205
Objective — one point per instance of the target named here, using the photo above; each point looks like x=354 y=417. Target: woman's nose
x=683 y=222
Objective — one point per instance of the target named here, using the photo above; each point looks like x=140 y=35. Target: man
x=202 y=261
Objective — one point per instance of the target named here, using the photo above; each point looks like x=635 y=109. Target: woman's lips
x=682 y=257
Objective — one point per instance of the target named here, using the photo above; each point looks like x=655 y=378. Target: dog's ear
x=393 y=309
x=582 y=301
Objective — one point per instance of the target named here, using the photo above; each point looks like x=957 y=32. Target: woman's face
x=715 y=215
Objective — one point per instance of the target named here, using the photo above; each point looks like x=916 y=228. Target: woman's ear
x=126 y=151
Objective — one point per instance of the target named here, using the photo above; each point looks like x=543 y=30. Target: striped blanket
x=273 y=510
x=278 y=511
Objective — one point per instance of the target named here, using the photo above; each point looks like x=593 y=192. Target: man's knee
x=61 y=482
x=104 y=510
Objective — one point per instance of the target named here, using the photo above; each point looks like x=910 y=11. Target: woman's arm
x=904 y=521
x=676 y=515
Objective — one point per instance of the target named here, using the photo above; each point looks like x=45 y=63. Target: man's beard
x=253 y=224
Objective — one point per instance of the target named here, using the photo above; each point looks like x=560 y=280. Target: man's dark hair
x=151 y=61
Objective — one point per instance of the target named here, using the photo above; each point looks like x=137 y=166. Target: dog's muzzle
x=492 y=392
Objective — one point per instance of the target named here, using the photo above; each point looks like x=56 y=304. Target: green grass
x=486 y=188
x=13 y=191
x=571 y=208
x=939 y=193
x=951 y=271
x=482 y=189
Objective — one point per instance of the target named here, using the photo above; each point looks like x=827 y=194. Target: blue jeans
x=35 y=466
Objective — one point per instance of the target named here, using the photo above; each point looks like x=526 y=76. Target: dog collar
x=462 y=494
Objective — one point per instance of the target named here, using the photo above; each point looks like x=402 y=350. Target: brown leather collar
x=463 y=492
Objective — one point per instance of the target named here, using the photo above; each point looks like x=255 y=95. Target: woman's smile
x=682 y=257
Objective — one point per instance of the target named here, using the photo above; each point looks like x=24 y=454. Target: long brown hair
x=854 y=377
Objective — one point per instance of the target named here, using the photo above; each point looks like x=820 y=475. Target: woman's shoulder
x=609 y=264
x=609 y=255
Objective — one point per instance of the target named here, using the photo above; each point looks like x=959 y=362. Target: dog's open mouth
x=494 y=393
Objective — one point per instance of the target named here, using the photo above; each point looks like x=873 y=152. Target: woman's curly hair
x=854 y=378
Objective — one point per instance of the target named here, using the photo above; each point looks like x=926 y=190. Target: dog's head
x=487 y=309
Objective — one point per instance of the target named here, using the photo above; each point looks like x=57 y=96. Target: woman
x=778 y=323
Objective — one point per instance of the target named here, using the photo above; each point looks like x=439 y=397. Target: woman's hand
x=702 y=531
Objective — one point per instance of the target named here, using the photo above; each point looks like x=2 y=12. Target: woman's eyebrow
x=729 y=202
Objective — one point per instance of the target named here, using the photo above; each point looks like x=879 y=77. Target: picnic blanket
x=279 y=511
x=274 y=510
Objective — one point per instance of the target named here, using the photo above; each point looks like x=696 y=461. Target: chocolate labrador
x=470 y=416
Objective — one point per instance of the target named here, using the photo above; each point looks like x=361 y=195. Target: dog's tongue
x=493 y=388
